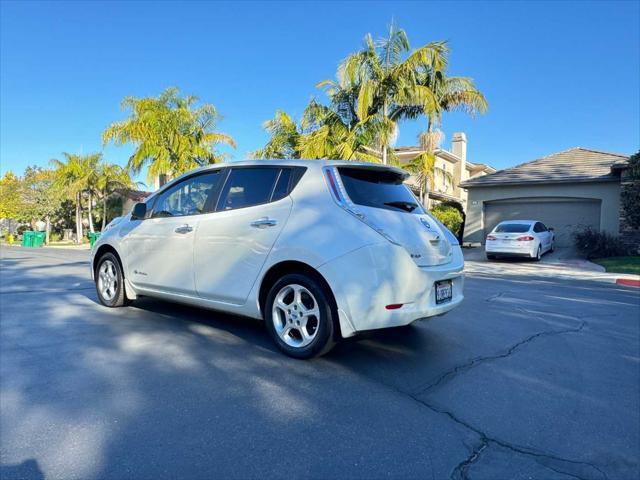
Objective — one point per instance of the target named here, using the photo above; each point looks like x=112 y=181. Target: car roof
x=314 y=164
x=518 y=221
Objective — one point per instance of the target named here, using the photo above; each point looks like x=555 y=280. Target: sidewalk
x=562 y=263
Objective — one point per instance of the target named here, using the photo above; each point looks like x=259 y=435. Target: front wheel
x=110 y=282
x=299 y=316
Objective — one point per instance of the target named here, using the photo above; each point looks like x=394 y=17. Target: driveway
x=536 y=375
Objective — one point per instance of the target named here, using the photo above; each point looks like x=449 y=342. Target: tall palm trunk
x=90 y=213
x=104 y=209
x=384 y=141
x=78 y=219
x=426 y=201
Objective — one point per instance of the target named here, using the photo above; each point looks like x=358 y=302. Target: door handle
x=264 y=223
x=184 y=229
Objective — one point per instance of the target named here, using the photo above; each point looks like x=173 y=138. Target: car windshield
x=378 y=188
x=512 y=228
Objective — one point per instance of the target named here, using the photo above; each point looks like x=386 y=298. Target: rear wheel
x=110 y=282
x=538 y=256
x=299 y=316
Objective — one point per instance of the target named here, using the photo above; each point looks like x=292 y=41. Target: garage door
x=565 y=215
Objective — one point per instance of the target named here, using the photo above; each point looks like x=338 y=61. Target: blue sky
x=556 y=74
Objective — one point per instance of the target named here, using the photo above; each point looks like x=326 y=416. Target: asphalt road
x=535 y=376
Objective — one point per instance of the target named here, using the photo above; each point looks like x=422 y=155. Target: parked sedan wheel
x=538 y=256
x=110 y=282
x=299 y=316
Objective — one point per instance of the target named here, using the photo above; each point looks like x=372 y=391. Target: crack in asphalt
x=449 y=374
x=577 y=469
x=460 y=470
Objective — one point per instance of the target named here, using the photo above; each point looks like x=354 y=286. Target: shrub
x=630 y=195
x=55 y=237
x=592 y=244
x=449 y=216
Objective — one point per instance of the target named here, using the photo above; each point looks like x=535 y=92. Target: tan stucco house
x=454 y=162
x=570 y=190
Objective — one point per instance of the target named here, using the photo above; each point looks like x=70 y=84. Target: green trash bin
x=27 y=238
x=38 y=239
x=93 y=236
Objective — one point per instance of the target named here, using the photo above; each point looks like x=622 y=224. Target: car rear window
x=379 y=188
x=513 y=228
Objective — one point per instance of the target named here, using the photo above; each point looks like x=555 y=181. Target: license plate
x=444 y=291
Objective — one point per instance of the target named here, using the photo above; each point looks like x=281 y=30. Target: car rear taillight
x=491 y=237
x=340 y=196
x=394 y=306
x=526 y=238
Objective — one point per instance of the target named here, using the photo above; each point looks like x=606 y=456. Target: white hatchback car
x=320 y=250
x=520 y=238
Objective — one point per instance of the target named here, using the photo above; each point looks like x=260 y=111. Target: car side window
x=246 y=187
x=282 y=186
x=189 y=197
x=543 y=227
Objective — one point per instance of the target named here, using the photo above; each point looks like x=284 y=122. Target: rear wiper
x=408 y=206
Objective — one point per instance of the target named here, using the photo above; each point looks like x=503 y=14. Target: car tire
x=491 y=257
x=553 y=247
x=110 y=282
x=538 y=256
x=300 y=316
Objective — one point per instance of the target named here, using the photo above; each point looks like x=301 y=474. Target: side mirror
x=550 y=229
x=139 y=211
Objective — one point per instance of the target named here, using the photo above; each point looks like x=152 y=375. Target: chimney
x=459 y=149
x=459 y=146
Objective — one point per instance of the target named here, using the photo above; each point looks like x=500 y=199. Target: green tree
x=41 y=197
x=170 y=134
x=76 y=176
x=449 y=216
x=10 y=187
x=385 y=76
x=284 y=138
x=630 y=195
x=111 y=177
x=322 y=133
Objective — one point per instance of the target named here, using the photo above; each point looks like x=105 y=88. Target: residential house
x=454 y=162
x=570 y=190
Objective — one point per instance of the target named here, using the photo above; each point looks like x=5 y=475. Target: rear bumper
x=368 y=279
x=522 y=250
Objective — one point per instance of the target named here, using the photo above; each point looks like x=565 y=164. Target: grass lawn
x=620 y=264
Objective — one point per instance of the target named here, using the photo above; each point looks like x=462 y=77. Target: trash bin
x=27 y=238
x=93 y=236
x=38 y=239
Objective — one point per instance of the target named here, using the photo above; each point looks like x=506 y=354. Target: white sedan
x=520 y=238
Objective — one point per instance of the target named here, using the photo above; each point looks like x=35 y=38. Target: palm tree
x=109 y=178
x=322 y=133
x=451 y=94
x=90 y=165
x=75 y=175
x=424 y=165
x=170 y=134
x=284 y=138
x=384 y=75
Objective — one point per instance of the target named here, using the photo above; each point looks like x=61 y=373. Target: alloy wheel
x=107 y=280
x=296 y=315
